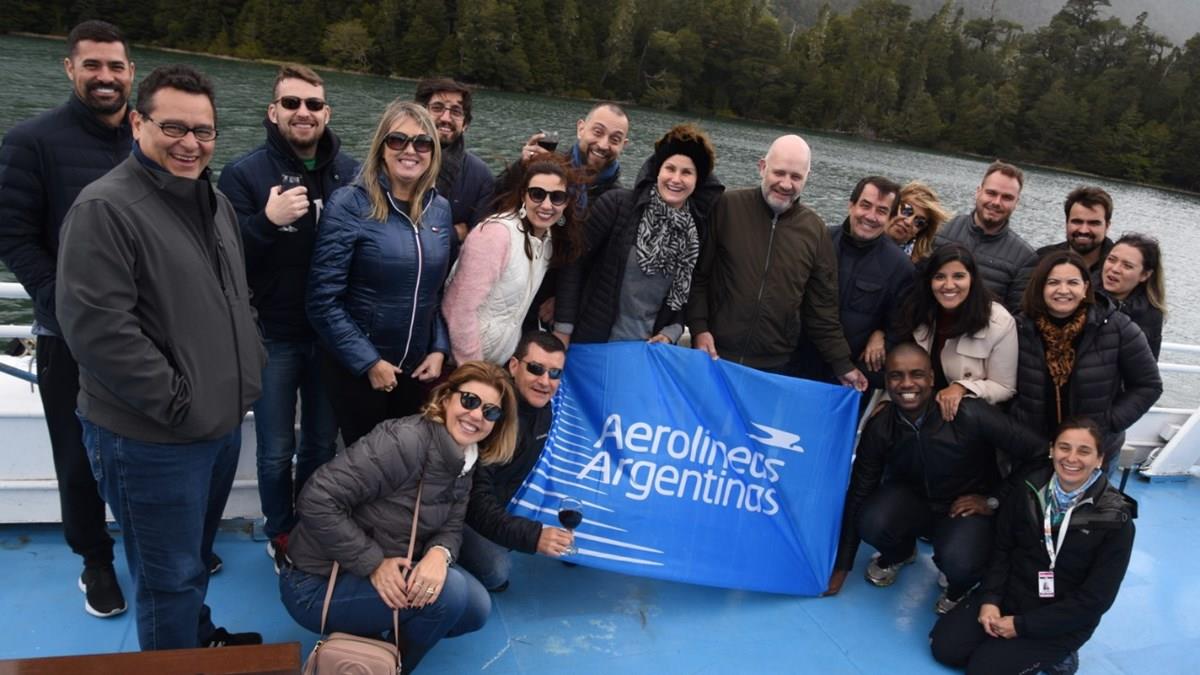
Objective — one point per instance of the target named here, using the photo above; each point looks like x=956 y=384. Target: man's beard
x=101 y=107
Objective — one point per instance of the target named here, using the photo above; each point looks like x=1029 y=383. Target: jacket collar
x=93 y=125
x=445 y=452
x=977 y=231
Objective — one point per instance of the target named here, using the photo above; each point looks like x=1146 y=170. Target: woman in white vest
x=505 y=258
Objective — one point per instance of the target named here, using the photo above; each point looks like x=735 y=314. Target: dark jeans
x=291 y=367
x=486 y=560
x=958 y=641
x=168 y=499
x=359 y=408
x=894 y=516
x=356 y=608
x=82 y=508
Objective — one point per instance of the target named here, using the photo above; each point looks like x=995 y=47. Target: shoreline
x=832 y=132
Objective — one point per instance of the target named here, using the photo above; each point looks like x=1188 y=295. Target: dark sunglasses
x=293 y=103
x=538 y=195
x=537 y=370
x=397 y=141
x=469 y=401
x=906 y=210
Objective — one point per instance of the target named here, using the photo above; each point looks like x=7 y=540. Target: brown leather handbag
x=346 y=654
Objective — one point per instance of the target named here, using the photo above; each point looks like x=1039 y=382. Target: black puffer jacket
x=1147 y=317
x=1114 y=382
x=941 y=461
x=44 y=163
x=589 y=290
x=496 y=484
x=357 y=508
x=1087 y=572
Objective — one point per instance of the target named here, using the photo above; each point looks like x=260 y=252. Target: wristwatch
x=993 y=503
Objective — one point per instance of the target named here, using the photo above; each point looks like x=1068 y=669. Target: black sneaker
x=214 y=564
x=102 y=593
x=1068 y=666
x=223 y=638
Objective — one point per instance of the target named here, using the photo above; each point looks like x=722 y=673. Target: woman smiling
x=1080 y=356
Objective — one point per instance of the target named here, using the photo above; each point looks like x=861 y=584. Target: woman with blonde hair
x=1133 y=279
x=917 y=220
x=375 y=283
x=357 y=511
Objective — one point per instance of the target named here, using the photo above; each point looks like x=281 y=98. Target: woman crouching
x=1063 y=543
x=357 y=511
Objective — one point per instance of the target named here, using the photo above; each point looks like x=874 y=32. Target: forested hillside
x=1086 y=91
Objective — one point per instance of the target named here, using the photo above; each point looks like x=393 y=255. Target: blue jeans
x=488 y=561
x=356 y=608
x=291 y=367
x=168 y=499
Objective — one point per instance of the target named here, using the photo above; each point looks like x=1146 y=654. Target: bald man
x=768 y=274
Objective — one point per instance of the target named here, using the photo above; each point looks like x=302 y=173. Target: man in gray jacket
x=1005 y=260
x=153 y=302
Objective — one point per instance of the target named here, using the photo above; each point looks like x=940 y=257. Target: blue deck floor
x=556 y=619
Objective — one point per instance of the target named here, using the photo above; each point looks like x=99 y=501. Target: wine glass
x=570 y=515
x=287 y=181
x=549 y=140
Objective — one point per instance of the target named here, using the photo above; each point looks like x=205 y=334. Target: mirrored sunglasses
x=469 y=401
x=537 y=370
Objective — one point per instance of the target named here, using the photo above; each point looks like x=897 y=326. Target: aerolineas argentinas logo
x=704 y=469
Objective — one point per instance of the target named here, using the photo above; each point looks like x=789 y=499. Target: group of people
x=422 y=309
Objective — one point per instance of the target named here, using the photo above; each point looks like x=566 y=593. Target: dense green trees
x=1085 y=91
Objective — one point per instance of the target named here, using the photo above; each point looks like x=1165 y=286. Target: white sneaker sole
x=95 y=612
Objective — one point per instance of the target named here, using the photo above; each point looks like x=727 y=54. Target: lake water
x=32 y=80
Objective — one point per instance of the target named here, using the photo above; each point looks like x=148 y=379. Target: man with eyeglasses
x=874 y=276
x=44 y=163
x=463 y=178
x=152 y=299
x=279 y=228
x=491 y=532
x=1005 y=259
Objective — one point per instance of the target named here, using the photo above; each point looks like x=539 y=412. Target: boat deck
x=556 y=619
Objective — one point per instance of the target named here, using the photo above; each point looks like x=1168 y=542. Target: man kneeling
x=918 y=475
x=491 y=532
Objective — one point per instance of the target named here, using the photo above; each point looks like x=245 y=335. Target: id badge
x=1046 y=584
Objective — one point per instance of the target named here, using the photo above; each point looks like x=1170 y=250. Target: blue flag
x=696 y=470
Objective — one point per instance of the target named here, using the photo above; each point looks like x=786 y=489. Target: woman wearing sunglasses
x=375 y=284
x=1064 y=537
x=971 y=339
x=505 y=258
x=917 y=221
x=1080 y=356
x=633 y=280
x=357 y=511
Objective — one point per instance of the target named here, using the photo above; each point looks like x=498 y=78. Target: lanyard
x=1052 y=549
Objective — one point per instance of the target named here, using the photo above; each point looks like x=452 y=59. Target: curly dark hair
x=510 y=194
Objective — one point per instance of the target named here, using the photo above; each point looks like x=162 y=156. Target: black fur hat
x=689 y=141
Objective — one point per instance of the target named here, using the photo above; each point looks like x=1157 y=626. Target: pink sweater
x=482 y=258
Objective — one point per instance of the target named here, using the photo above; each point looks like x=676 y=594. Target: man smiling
x=44 y=163
x=1089 y=216
x=601 y=137
x=153 y=301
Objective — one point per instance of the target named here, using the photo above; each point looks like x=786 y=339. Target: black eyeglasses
x=469 y=401
x=438 y=108
x=397 y=141
x=537 y=370
x=204 y=134
x=906 y=210
x=293 y=103
x=538 y=195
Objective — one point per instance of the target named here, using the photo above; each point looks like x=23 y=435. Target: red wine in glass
x=549 y=140
x=570 y=515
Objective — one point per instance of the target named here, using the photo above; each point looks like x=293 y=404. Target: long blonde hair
x=373 y=167
x=922 y=196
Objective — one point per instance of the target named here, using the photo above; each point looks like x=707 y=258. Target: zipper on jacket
x=417 y=286
x=762 y=286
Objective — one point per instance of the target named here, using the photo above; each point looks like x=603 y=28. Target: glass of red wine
x=549 y=140
x=570 y=515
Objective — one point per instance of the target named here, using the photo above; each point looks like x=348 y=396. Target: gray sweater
x=153 y=302
x=357 y=509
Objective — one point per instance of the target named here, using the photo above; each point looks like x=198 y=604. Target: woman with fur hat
x=641 y=245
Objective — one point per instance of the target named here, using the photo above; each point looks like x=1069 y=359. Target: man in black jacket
x=491 y=532
x=463 y=178
x=279 y=227
x=44 y=163
x=874 y=276
x=918 y=475
x=1089 y=215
